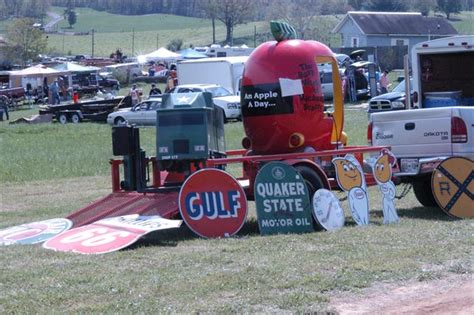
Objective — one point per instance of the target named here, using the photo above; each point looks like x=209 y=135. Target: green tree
x=449 y=6
x=232 y=13
x=424 y=6
x=175 y=45
x=71 y=18
x=387 y=6
x=27 y=41
x=210 y=7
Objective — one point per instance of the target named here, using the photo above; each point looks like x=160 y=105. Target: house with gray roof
x=372 y=29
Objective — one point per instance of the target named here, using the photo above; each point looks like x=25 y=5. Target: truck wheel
x=311 y=179
x=224 y=117
x=75 y=118
x=424 y=194
x=62 y=118
x=119 y=121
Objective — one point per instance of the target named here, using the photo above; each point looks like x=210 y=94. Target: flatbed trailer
x=160 y=197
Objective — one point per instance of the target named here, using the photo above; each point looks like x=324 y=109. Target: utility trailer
x=284 y=120
x=93 y=110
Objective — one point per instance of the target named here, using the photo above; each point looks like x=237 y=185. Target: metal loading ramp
x=164 y=204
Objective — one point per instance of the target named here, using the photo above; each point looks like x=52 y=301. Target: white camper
x=225 y=71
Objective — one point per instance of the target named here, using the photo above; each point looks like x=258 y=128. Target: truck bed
x=424 y=133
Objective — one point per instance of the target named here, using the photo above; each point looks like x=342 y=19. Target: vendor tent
x=77 y=72
x=160 y=54
x=190 y=53
x=34 y=75
x=74 y=67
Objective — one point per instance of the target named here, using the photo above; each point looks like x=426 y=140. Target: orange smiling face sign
x=382 y=169
x=348 y=175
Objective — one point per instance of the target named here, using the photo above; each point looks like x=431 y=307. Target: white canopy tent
x=35 y=75
x=162 y=54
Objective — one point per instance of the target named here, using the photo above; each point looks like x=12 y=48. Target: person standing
x=29 y=94
x=154 y=91
x=172 y=81
x=4 y=107
x=384 y=82
x=135 y=95
x=54 y=88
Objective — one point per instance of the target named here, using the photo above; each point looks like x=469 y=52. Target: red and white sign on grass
x=109 y=235
x=213 y=204
x=35 y=232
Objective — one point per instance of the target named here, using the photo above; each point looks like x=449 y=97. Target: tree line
x=258 y=9
x=302 y=14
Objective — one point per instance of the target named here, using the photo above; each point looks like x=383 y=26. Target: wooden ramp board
x=164 y=204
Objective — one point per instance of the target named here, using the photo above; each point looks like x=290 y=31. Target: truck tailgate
x=414 y=133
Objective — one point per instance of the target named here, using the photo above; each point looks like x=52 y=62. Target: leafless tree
x=231 y=13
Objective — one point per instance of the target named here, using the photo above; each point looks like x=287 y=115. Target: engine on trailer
x=190 y=130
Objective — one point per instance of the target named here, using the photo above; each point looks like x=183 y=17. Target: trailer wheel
x=424 y=194
x=62 y=118
x=75 y=118
x=311 y=179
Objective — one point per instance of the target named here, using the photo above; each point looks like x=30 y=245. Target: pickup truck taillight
x=458 y=130
x=369 y=133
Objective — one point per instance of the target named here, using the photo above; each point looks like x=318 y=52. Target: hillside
x=145 y=33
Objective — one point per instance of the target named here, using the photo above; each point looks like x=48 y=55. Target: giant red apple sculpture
x=281 y=97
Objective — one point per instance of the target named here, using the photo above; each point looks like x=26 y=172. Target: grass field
x=464 y=22
x=51 y=170
x=137 y=35
x=149 y=32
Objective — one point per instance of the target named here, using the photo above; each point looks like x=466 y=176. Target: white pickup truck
x=442 y=126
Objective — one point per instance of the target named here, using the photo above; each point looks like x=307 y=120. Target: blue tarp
x=190 y=53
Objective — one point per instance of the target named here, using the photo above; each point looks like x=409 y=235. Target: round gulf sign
x=327 y=211
x=213 y=204
x=453 y=186
x=35 y=232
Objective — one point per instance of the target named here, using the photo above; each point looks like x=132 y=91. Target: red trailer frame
x=252 y=163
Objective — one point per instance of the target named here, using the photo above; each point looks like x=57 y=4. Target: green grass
x=148 y=32
x=151 y=31
x=51 y=170
x=104 y=22
x=38 y=152
x=464 y=22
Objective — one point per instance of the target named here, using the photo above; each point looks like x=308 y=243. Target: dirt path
x=452 y=295
x=55 y=19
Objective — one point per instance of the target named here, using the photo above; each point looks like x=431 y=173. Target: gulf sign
x=213 y=204
x=35 y=232
x=108 y=235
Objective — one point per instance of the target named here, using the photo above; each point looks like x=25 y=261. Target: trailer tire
x=311 y=178
x=62 y=118
x=75 y=118
x=424 y=193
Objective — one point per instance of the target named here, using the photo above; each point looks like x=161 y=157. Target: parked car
x=361 y=78
x=326 y=83
x=395 y=100
x=143 y=114
x=221 y=97
x=107 y=81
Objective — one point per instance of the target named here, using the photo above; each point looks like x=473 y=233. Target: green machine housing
x=190 y=130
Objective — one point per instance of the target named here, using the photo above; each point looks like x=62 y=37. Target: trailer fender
x=312 y=166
